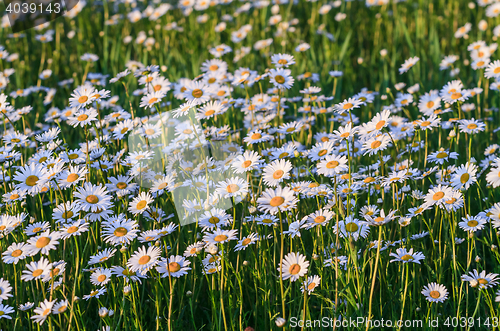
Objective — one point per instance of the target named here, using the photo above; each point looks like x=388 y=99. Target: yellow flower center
x=279 y=79
x=294 y=269
x=351 y=227
x=82 y=117
x=92 y=199
x=31 y=180
x=276 y=201
x=434 y=294
x=144 y=260
x=120 y=231
x=197 y=93
x=220 y=237
x=174 y=267
x=42 y=242
x=407 y=257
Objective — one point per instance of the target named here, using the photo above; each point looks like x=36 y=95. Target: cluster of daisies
x=238 y=157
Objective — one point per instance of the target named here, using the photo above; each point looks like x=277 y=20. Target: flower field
x=252 y=165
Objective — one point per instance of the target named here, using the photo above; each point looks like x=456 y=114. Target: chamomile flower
x=92 y=197
x=434 y=292
x=246 y=241
x=144 y=259
x=281 y=78
x=274 y=200
x=480 y=279
x=174 y=266
x=140 y=203
x=332 y=165
x=464 y=176
x=119 y=230
x=472 y=223
x=36 y=270
x=402 y=255
x=276 y=172
x=293 y=266
x=310 y=284
x=5 y=310
x=408 y=64
x=43 y=311
x=5 y=289
x=220 y=236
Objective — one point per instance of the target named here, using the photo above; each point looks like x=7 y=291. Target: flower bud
x=280 y=322
x=103 y=312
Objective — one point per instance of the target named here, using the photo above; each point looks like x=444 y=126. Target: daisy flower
x=214 y=218
x=374 y=145
x=43 y=311
x=249 y=161
x=31 y=178
x=246 y=241
x=293 y=266
x=14 y=253
x=65 y=212
x=74 y=229
x=83 y=117
x=441 y=156
x=319 y=217
x=140 y=203
x=220 y=236
x=310 y=284
x=81 y=97
x=472 y=223
x=144 y=259
x=471 y=126
x=434 y=292
x=5 y=289
x=282 y=60
x=347 y=105
x=352 y=227
x=198 y=92
x=464 y=176
x=493 y=70
x=332 y=165
x=274 y=200
x=175 y=266
x=493 y=177
x=95 y=294
x=232 y=187
x=36 y=270
x=408 y=64
x=92 y=197
x=102 y=256
x=276 y=172
x=149 y=100
x=281 y=78
x=60 y=307
x=72 y=176
x=43 y=243
x=119 y=230
x=5 y=310
x=438 y=195
x=402 y=255
x=481 y=279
